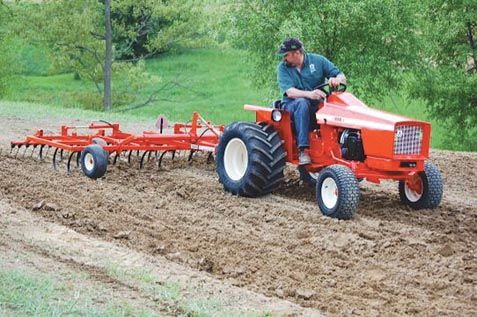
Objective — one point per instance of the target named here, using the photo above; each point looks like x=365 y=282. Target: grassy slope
x=214 y=82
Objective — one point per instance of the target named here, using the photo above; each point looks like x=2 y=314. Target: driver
x=298 y=74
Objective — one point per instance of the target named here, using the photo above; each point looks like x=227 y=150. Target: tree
x=74 y=31
x=369 y=40
x=108 y=59
x=78 y=35
x=8 y=65
x=448 y=77
x=428 y=47
x=144 y=28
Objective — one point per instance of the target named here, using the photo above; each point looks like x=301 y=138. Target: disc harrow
x=101 y=143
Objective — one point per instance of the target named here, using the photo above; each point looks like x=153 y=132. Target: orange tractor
x=351 y=142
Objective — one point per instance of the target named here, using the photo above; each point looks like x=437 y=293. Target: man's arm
x=295 y=93
x=286 y=84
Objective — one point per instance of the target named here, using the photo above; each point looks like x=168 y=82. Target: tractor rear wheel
x=337 y=192
x=250 y=159
x=424 y=190
x=94 y=161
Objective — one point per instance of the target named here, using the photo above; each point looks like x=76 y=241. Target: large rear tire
x=424 y=191
x=250 y=159
x=337 y=192
x=94 y=161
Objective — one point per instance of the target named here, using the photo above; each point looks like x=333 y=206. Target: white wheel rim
x=329 y=192
x=236 y=159
x=89 y=161
x=411 y=195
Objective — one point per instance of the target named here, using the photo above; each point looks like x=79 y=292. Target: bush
x=452 y=102
x=445 y=79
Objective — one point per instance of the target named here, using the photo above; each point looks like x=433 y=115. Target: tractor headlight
x=277 y=115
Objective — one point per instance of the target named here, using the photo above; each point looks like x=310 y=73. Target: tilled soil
x=388 y=260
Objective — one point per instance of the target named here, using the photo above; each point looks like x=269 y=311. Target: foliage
x=447 y=80
x=149 y=27
x=7 y=56
x=368 y=40
x=216 y=19
x=70 y=29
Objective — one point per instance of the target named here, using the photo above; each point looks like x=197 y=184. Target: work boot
x=303 y=158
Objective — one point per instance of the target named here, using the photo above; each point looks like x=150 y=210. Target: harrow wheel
x=337 y=192
x=94 y=161
x=250 y=159
x=424 y=190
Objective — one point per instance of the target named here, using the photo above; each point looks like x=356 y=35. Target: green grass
x=22 y=294
x=215 y=83
x=25 y=293
x=172 y=292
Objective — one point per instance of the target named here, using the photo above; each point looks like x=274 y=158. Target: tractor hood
x=347 y=111
x=385 y=135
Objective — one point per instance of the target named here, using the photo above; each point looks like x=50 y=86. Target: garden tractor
x=351 y=142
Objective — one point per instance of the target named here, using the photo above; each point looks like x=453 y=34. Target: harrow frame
x=198 y=135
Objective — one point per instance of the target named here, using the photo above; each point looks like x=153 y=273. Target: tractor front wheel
x=424 y=190
x=94 y=161
x=337 y=192
x=250 y=159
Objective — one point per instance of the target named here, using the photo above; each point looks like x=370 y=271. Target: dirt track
x=387 y=260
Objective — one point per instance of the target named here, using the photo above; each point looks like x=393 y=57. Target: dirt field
x=389 y=260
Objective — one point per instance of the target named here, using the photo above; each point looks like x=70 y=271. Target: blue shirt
x=316 y=68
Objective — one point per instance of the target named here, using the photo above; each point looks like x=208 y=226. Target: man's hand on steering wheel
x=328 y=89
x=335 y=81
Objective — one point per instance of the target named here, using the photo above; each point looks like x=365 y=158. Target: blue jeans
x=302 y=112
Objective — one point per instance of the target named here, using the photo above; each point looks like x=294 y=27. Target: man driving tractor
x=298 y=74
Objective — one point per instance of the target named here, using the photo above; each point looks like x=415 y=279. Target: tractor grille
x=408 y=140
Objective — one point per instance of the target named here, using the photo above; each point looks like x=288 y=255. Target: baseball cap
x=290 y=44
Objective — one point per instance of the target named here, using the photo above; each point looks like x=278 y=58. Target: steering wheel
x=329 y=91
